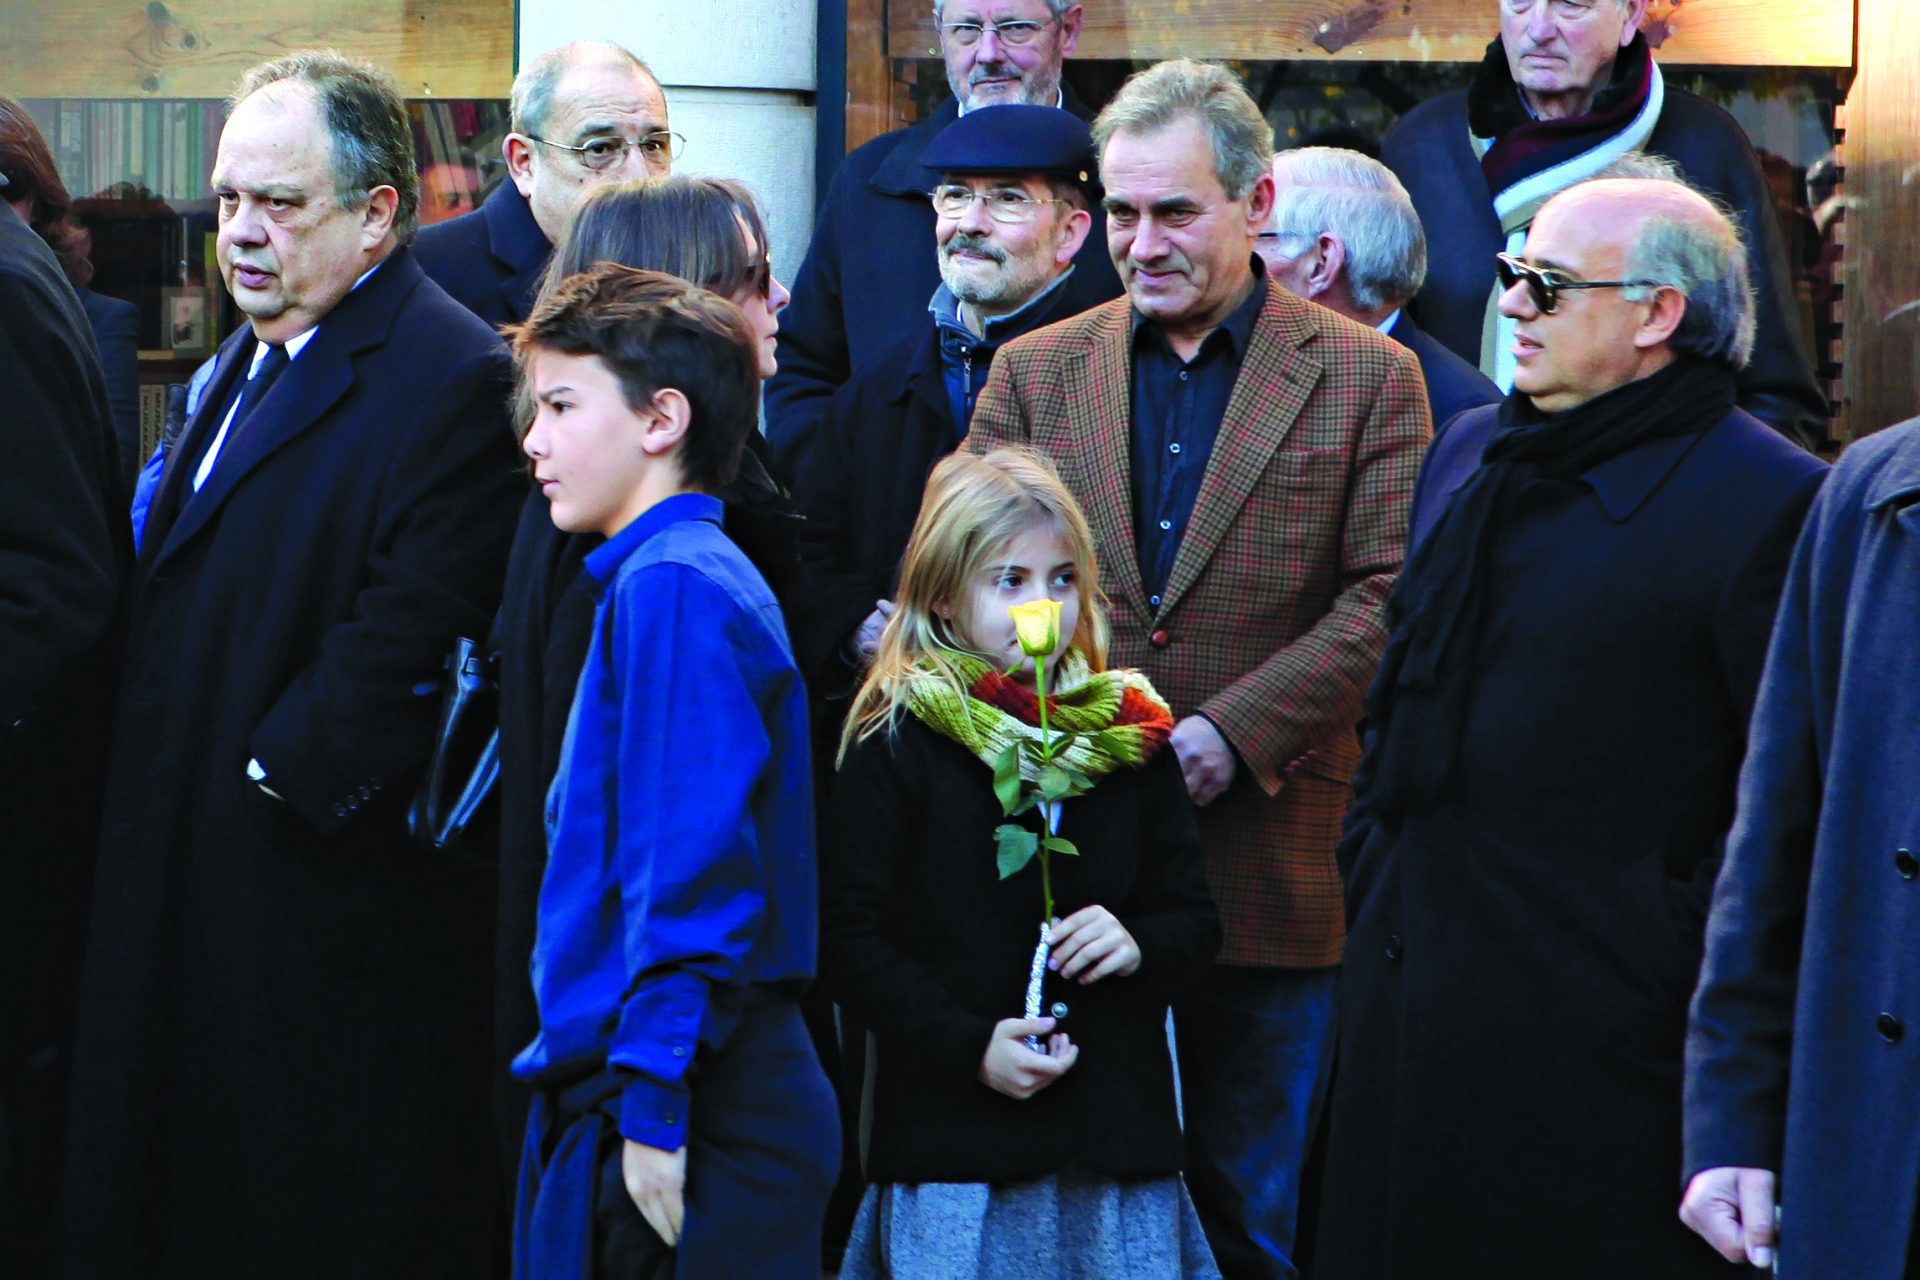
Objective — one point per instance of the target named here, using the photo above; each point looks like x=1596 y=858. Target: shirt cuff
x=653 y=1114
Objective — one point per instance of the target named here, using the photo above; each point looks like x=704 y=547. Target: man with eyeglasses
x=1010 y=214
x=1554 y=741
x=867 y=273
x=1345 y=235
x=582 y=114
x=1566 y=90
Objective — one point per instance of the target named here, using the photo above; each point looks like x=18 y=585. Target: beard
x=1004 y=282
x=1039 y=88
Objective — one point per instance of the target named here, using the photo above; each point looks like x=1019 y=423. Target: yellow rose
x=1037 y=623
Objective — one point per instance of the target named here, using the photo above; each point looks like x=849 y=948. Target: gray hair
x=367 y=123
x=1357 y=200
x=1642 y=166
x=1058 y=8
x=1152 y=99
x=1699 y=252
x=531 y=101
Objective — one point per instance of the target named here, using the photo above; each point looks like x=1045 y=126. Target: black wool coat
x=925 y=944
x=281 y=1065
x=1430 y=152
x=65 y=548
x=1513 y=998
x=490 y=260
x=1453 y=385
x=870 y=271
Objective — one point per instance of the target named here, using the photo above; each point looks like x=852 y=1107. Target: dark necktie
x=252 y=391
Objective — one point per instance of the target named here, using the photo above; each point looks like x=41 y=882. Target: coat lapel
x=313 y=383
x=1100 y=454
x=184 y=458
x=1277 y=377
x=518 y=244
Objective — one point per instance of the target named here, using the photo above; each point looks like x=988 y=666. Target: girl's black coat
x=929 y=947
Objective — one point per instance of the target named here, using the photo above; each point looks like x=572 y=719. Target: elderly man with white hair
x=1553 y=745
x=1345 y=235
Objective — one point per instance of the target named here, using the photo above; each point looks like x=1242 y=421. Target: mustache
x=991 y=71
x=969 y=242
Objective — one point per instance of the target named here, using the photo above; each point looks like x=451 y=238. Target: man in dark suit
x=869 y=270
x=281 y=1065
x=582 y=114
x=1345 y=235
x=1554 y=741
x=64 y=552
x=1245 y=460
x=1012 y=209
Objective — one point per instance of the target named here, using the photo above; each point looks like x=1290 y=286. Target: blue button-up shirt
x=1177 y=409
x=679 y=824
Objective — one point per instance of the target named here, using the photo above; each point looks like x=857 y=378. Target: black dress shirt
x=1177 y=408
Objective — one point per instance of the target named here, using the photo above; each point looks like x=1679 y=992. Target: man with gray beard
x=1010 y=214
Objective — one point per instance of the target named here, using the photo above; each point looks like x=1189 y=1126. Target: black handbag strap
x=453 y=788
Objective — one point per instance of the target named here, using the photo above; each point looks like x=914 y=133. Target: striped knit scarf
x=1115 y=717
x=1527 y=162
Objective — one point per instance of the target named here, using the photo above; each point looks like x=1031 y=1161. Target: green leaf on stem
x=1006 y=778
x=1017 y=847
x=1054 y=783
x=1054 y=844
x=1026 y=805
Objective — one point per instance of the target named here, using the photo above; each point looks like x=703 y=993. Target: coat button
x=1889 y=1027
x=1393 y=946
x=1160 y=639
x=339 y=810
x=1906 y=864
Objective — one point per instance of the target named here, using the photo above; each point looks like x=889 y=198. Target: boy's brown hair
x=655 y=331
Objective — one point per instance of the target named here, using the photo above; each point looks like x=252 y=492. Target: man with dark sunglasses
x=1553 y=744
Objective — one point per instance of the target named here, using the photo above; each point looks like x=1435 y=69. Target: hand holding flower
x=1092 y=944
x=1011 y=1067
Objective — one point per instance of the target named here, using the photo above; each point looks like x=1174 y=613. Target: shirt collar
x=1059 y=100
x=1238 y=327
x=1393 y=318
x=605 y=560
x=298 y=342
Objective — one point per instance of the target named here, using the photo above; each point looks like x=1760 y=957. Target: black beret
x=1015 y=138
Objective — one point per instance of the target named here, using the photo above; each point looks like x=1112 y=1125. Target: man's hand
x=866 y=639
x=1206 y=761
x=1011 y=1068
x=657 y=1181
x=1091 y=944
x=1732 y=1210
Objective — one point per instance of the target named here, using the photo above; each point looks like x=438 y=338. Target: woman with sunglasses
x=710 y=233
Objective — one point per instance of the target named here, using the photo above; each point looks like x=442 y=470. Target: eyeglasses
x=1003 y=204
x=1544 y=284
x=1301 y=237
x=762 y=277
x=1011 y=34
x=657 y=150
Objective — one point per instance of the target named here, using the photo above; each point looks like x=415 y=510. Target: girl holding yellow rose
x=1002 y=1145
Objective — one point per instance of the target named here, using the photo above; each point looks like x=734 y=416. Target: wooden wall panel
x=1685 y=32
x=869 y=76
x=198 y=48
x=1881 y=271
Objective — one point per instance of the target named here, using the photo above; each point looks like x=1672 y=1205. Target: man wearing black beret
x=1011 y=211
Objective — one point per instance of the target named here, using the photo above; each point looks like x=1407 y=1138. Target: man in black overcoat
x=867 y=273
x=1345 y=235
x=1012 y=214
x=1563 y=93
x=281 y=1061
x=65 y=547
x=570 y=107
x=1553 y=745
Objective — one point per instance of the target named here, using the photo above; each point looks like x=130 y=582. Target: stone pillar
x=740 y=79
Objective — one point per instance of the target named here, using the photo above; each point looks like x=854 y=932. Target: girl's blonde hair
x=975 y=506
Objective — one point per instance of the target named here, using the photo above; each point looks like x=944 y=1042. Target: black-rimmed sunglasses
x=1544 y=284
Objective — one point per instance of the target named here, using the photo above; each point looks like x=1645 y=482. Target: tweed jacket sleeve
x=1312 y=689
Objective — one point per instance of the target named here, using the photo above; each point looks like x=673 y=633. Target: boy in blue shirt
x=681 y=1125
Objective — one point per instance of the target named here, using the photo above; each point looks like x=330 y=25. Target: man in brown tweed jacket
x=1247 y=460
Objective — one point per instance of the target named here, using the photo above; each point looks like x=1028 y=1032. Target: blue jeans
x=1254 y=1046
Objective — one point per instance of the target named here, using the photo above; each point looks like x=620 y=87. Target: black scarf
x=1417 y=706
